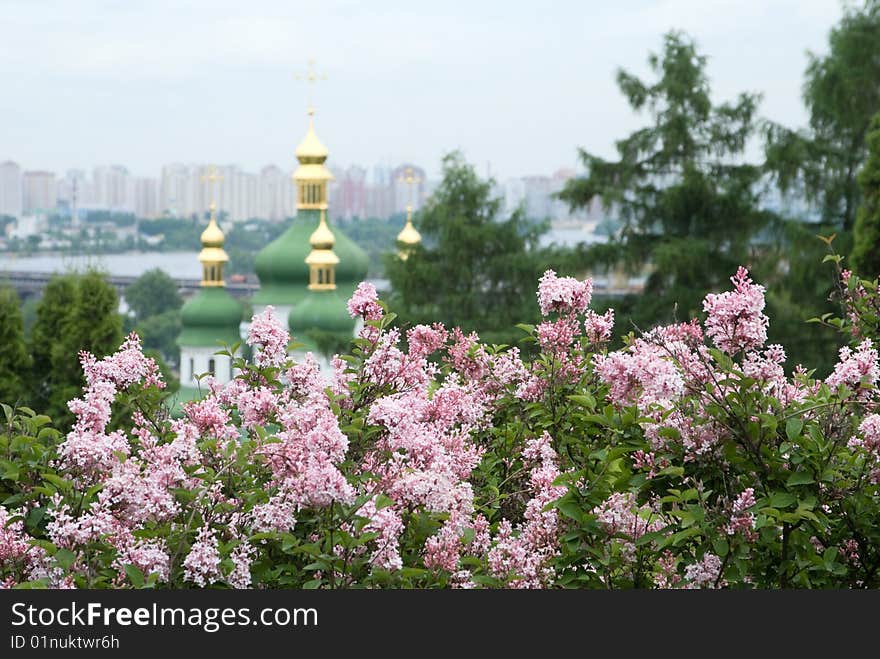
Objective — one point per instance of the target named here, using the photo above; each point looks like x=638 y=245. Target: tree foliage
x=474 y=268
x=14 y=358
x=866 y=241
x=77 y=312
x=680 y=186
x=842 y=93
x=153 y=293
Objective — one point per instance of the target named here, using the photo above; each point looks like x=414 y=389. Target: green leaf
x=720 y=546
x=135 y=575
x=65 y=558
x=570 y=509
x=799 y=478
x=782 y=499
x=793 y=428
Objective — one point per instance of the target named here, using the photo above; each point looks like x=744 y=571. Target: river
x=183 y=265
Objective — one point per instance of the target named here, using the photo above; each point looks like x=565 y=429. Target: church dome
x=324 y=311
x=211 y=315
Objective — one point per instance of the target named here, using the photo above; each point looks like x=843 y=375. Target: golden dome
x=311 y=150
x=212 y=236
x=409 y=235
x=322 y=237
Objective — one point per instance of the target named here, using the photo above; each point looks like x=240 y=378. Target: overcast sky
x=517 y=85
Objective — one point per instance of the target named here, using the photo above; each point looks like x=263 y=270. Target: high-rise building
x=39 y=192
x=145 y=197
x=10 y=189
x=176 y=191
x=275 y=194
x=112 y=188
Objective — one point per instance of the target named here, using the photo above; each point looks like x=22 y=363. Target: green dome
x=212 y=315
x=281 y=266
x=321 y=310
x=353 y=261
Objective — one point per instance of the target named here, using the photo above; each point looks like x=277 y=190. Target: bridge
x=29 y=284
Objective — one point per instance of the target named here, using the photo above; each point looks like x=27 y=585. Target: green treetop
x=473 y=268
x=842 y=93
x=151 y=294
x=866 y=246
x=77 y=312
x=684 y=195
x=14 y=358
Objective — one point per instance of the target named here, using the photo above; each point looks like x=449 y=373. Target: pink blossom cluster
x=741 y=519
x=521 y=557
x=388 y=525
x=625 y=521
x=735 y=320
x=364 y=302
x=269 y=339
x=706 y=573
x=857 y=369
x=642 y=374
x=127 y=366
x=303 y=462
x=202 y=564
x=565 y=295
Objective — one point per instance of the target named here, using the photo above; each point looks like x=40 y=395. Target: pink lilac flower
x=565 y=295
x=667 y=573
x=125 y=367
x=242 y=557
x=13 y=541
x=423 y=340
x=736 y=321
x=202 y=565
x=150 y=556
x=467 y=356
x=521 y=557
x=741 y=520
x=210 y=418
x=269 y=339
x=386 y=522
x=856 y=368
x=625 y=521
x=598 y=328
x=704 y=574
x=255 y=406
x=641 y=374
x=364 y=302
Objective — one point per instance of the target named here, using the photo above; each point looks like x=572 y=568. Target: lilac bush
x=693 y=457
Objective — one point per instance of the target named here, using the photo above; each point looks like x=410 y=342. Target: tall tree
x=77 y=312
x=151 y=294
x=681 y=188
x=14 y=358
x=54 y=305
x=842 y=93
x=866 y=241
x=474 y=269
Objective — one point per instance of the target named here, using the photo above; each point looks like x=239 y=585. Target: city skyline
x=148 y=85
x=180 y=190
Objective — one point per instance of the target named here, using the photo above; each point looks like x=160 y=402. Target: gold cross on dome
x=311 y=77
x=410 y=180
x=210 y=178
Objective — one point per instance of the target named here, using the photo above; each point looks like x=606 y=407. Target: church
x=307 y=274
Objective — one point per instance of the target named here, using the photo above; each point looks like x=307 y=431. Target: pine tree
x=14 y=358
x=866 y=247
x=681 y=187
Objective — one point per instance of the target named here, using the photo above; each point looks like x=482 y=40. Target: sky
x=516 y=85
